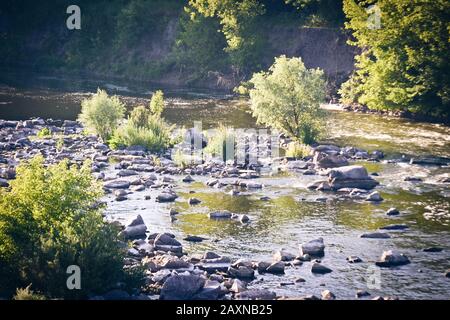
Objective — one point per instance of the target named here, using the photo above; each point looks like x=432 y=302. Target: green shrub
x=47 y=223
x=140 y=117
x=222 y=143
x=298 y=150
x=101 y=114
x=153 y=137
x=288 y=98
x=44 y=132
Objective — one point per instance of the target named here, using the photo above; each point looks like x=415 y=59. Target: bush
x=145 y=127
x=288 y=98
x=222 y=143
x=157 y=103
x=101 y=114
x=298 y=150
x=44 y=132
x=155 y=136
x=47 y=223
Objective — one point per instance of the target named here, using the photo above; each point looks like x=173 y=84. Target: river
x=293 y=214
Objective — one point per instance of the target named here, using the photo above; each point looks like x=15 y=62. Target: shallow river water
x=293 y=214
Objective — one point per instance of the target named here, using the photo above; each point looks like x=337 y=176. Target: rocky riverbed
x=323 y=227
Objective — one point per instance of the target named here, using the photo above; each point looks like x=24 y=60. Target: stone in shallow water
x=375 y=235
x=375 y=197
x=241 y=272
x=354 y=259
x=194 y=201
x=224 y=214
x=447 y=273
x=392 y=212
x=283 y=255
x=166 y=197
x=136 y=228
x=191 y=238
x=320 y=269
x=395 y=227
x=391 y=259
x=362 y=293
x=181 y=287
x=188 y=179
x=328 y=295
x=433 y=249
x=117 y=184
x=276 y=267
x=314 y=247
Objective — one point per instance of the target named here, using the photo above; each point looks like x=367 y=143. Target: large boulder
x=314 y=247
x=323 y=160
x=351 y=177
x=135 y=229
x=391 y=259
x=182 y=287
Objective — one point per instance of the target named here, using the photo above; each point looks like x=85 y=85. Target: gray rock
x=136 y=228
x=391 y=259
x=433 y=249
x=163 y=239
x=212 y=290
x=447 y=273
x=181 y=287
x=322 y=160
x=395 y=227
x=375 y=235
x=126 y=173
x=166 y=197
x=238 y=286
x=241 y=272
x=224 y=214
x=117 y=184
x=244 y=218
x=314 y=247
x=351 y=177
x=374 y=196
x=194 y=201
x=392 y=212
x=354 y=259
x=4 y=183
x=282 y=255
x=320 y=269
x=188 y=179
x=412 y=179
x=194 y=238
x=276 y=267
x=362 y=293
x=210 y=255
x=328 y=295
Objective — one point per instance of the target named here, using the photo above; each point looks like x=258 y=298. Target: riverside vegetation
x=65 y=184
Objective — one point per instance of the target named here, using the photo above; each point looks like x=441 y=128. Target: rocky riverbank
x=173 y=273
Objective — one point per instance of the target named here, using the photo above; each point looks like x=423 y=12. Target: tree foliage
x=288 y=98
x=404 y=61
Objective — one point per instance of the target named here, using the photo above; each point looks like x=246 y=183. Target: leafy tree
x=47 y=223
x=238 y=20
x=101 y=114
x=199 y=45
x=288 y=98
x=404 y=61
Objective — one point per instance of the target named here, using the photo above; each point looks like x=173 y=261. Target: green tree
x=288 y=98
x=101 y=114
x=404 y=61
